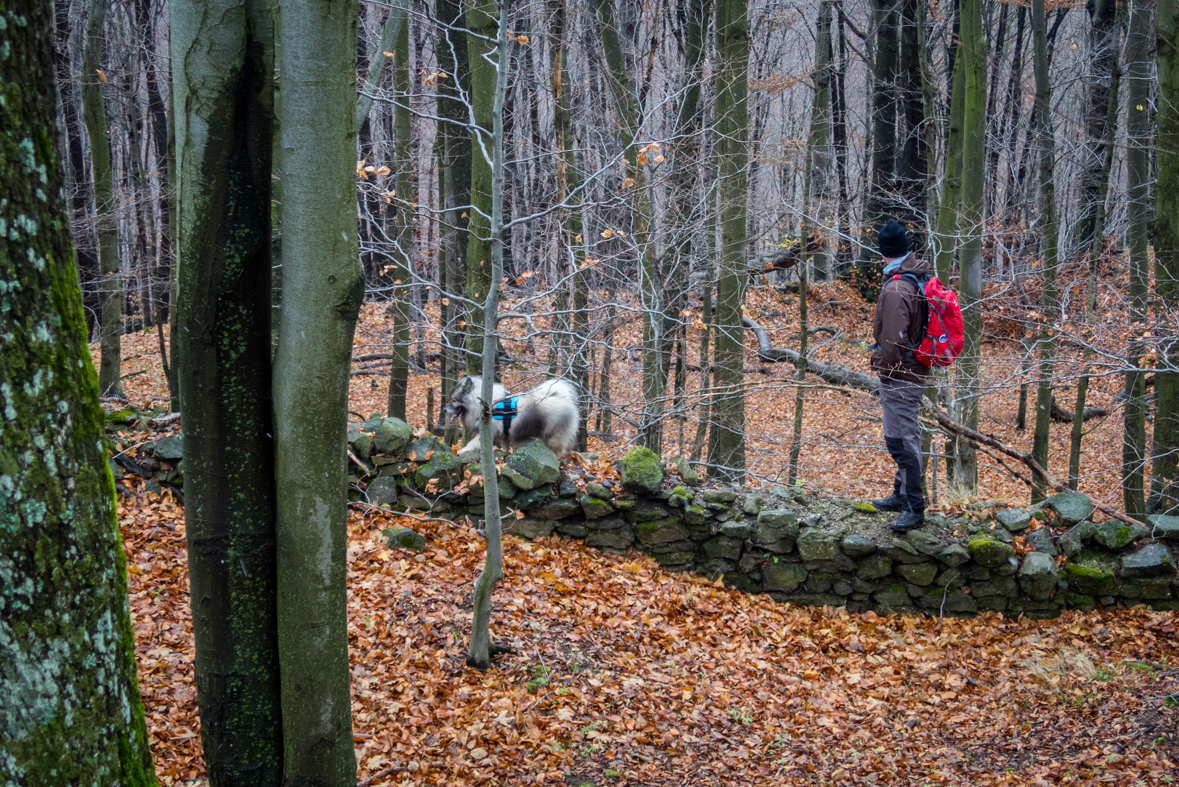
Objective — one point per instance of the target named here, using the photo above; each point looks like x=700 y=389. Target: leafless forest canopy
x=617 y=148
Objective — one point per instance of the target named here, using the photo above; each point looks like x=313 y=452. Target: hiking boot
x=893 y=502
x=908 y=520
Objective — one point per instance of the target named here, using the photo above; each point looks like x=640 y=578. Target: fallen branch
x=836 y=375
x=1057 y=413
x=981 y=439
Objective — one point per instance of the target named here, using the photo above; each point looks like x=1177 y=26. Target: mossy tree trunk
x=70 y=712
x=322 y=290
x=1045 y=141
x=726 y=448
x=110 y=290
x=1165 y=478
x=223 y=55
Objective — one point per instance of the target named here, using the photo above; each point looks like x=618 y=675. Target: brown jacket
x=900 y=318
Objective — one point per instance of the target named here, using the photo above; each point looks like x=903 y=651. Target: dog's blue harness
x=505 y=410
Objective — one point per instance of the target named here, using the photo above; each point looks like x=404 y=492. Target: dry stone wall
x=791 y=545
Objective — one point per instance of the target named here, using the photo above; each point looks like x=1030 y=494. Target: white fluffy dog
x=548 y=413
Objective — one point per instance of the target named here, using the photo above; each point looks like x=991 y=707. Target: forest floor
x=626 y=674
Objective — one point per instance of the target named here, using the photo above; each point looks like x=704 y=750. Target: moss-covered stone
x=1038 y=576
x=382 y=491
x=594 y=489
x=661 y=531
x=593 y=508
x=1070 y=507
x=403 y=538
x=815 y=544
x=874 y=567
x=1151 y=560
x=617 y=538
x=989 y=553
x=1000 y=586
x=776 y=530
x=856 y=546
x=742 y=582
x=532 y=465
x=783 y=577
x=441 y=472
x=695 y=515
x=555 y=509
x=641 y=470
x=393 y=435
x=1148 y=588
x=530 y=527
x=1090 y=581
x=1116 y=535
x=920 y=574
x=1014 y=519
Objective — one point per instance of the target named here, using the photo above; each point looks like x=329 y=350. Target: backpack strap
x=505 y=410
x=919 y=283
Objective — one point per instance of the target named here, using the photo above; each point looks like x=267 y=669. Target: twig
x=381 y=775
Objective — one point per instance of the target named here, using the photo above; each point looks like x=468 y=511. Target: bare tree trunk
x=973 y=58
x=1138 y=181
x=323 y=287
x=400 y=308
x=726 y=449
x=1165 y=477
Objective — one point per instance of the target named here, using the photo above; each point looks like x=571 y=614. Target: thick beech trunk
x=224 y=127
x=323 y=287
x=70 y=710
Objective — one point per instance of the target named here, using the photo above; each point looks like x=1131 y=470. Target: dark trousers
x=902 y=437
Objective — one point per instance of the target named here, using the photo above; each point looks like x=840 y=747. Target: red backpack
x=942 y=343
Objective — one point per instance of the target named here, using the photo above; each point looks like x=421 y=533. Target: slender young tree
x=726 y=447
x=481 y=44
x=223 y=57
x=486 y=15
x=323 y=287
x=70 y=710
x=110 y=287
x=1048 y=304
x=1165 y=478
x=973 y=57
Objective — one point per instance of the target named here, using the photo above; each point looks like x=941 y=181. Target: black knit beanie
x=893 y=242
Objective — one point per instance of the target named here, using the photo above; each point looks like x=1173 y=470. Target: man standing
x=899 y=325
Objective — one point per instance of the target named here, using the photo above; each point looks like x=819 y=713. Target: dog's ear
x=466 y=386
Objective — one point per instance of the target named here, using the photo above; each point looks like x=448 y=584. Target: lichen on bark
x=70 y=710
